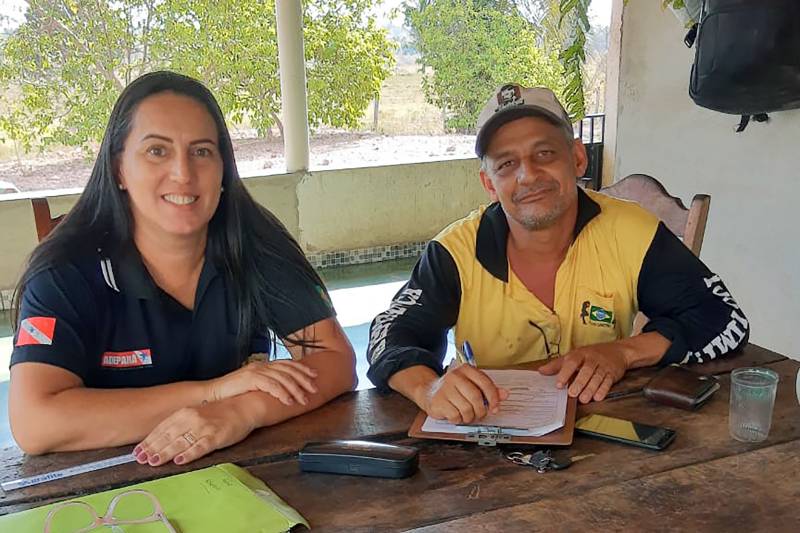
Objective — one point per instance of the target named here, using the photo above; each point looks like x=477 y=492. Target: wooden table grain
x=458 y=480
x=756 y=490
x=461 y=485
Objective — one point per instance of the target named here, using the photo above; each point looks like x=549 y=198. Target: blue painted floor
x=5 y=431
x=5 y=356
x=358 y=293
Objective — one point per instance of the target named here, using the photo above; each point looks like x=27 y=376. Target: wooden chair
x=41 y=215
x=688 y=224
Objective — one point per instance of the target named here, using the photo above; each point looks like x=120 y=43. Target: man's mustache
x=546 y=186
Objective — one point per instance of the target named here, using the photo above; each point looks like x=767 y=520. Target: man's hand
x=598 y=367
x=193 y=432
x=459 y=395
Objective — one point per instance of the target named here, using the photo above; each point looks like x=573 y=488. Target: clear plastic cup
x=752 y=399
x=798 y=385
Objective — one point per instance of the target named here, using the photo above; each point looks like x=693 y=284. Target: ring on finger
x=189 y=438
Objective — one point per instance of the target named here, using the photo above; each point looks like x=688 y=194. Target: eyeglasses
x=127 y=508
x=556 y=346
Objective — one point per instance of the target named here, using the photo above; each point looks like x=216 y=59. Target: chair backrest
x=688 y=224
x=41 y=215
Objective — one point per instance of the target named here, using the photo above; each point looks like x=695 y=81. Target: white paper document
x=534 y=406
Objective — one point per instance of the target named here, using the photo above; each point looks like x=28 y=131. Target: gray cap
x=513 y=101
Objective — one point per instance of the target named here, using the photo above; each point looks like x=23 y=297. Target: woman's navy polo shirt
x=105 y=319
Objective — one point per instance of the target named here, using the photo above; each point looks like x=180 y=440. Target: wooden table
x=704 y=481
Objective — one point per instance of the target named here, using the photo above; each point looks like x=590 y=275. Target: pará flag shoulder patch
x=36 y=330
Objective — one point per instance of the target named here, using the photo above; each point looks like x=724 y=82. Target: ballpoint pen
x=469 y=357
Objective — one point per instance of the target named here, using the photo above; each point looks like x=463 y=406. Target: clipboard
x=492 y=436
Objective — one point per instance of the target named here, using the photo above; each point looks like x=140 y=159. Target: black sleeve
x=413 y=331
x=302 y=301
x=687 y=303
x=58 y=321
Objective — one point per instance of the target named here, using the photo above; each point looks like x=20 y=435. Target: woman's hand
x=287 y=380
x=193 y=432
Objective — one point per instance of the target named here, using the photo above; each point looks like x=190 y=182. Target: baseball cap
x=512 y=101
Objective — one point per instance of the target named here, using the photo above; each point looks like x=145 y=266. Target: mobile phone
x=625 y=431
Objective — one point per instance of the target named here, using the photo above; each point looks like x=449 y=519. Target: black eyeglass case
x=359 y=458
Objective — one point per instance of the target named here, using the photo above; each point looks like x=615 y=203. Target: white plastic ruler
x=67 y=472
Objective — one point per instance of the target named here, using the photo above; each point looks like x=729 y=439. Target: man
x=547 y=271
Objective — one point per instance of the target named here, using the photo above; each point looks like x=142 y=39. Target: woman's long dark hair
x=245 y=241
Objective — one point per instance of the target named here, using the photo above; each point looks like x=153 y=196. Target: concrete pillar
x=291 y=58
x=613 y=65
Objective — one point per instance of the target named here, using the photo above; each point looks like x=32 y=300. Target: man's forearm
x=414 y=383
x=646 y=349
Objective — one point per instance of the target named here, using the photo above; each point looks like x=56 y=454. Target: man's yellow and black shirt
x=622 y=260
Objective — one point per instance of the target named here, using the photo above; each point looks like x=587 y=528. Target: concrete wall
x=345 y=209
x=753 y=177
x=324 y=210
x=18 y=231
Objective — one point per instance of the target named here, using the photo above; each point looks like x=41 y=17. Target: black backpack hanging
x=747 y=58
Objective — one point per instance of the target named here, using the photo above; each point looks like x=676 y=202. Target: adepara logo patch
x=132 y=359
x=596 y=315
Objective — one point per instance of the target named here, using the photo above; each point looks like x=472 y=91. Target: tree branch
x=146 y=33
x=110 y=76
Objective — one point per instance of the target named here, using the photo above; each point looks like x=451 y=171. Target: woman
x=136 y=315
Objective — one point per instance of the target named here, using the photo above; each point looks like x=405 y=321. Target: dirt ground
x=67 y=168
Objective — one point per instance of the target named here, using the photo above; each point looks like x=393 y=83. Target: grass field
x=6 y=150
x=402 y=109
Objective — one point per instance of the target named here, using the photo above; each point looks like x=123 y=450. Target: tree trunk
x=278 y=123
x=20 y=164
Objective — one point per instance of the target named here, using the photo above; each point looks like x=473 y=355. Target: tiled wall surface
x=5 y=299
x=360 y=256
x=332 y=213
x=357 y=256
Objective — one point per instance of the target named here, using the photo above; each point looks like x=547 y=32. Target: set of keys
x=543 y=460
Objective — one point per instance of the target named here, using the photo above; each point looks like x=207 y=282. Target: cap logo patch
x=507 y=96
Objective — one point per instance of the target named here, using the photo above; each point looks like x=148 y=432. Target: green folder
x=221 y=498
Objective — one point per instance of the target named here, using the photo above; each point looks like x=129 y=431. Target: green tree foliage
x=570 y=19
x=70 y=59
x=563 y=26
x=468 y=48
x=574 y=18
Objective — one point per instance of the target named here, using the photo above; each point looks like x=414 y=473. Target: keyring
x=519 y=458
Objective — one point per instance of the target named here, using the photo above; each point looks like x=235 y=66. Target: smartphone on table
x=625 y=431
